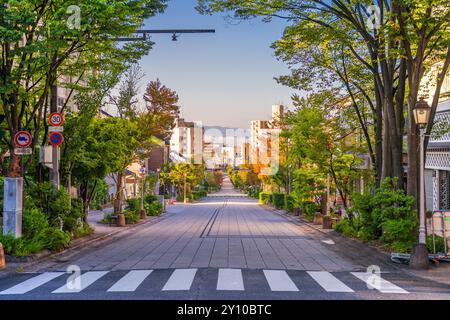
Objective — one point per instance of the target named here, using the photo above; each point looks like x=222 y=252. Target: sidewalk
x=437 y=273
x=102 y=233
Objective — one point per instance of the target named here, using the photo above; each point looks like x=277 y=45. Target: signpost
x=56 y=120
x=56 y=129
x=23 y=139
x=56 y=139
x=13 y=193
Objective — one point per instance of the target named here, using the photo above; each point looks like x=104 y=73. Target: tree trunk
x=119 y=195
x=15 y=167
x=415 y=73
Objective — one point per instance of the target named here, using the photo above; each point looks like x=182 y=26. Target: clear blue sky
x=224 y=78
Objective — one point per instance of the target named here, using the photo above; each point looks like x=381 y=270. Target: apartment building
x=187 y=142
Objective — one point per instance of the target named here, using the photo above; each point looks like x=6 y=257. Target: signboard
x=23 y=139
x=56 y=129
x=56 y=139
x=23 y=151
x=56 y=119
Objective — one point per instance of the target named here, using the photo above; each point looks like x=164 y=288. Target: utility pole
x=185 y=190
x=54 y=172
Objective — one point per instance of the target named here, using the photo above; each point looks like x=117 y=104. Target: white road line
x=32 y=283
x=181 y=279
x=131 y=281
x=329 y=282
x=279 y=281
x=230 y=279
x=374 y=281
x=80 y=283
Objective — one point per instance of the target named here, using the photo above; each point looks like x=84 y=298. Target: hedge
x=265 y=198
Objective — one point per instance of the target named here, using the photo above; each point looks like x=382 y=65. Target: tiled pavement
x=222 y=232
x=224 y=247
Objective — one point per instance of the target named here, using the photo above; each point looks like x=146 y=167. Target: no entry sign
x=56 y=119
x=56 y=139
x=23 y=139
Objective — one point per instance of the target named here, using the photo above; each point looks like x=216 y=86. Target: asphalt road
x=225 y=247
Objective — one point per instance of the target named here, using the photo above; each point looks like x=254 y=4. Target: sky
x=223 y=79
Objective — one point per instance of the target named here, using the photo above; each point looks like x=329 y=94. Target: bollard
x=327 y=222
x=2 y=258
x=318 y=219
x=121 y=221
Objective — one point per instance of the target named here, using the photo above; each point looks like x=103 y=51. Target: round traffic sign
x=56 y=139
x=23 y=139
x=56 y=119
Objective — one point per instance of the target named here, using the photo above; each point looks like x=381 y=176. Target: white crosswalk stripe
x=227 y=280
x=230 y=279
x=329 y=282
x=181 y=279
x=32 y=283
x=279 y=280
x=131 y=281
x=82 y=282
x=374 y=281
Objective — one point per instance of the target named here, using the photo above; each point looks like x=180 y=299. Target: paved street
x=224 y=247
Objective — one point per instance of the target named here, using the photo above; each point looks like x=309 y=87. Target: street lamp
x=185 y=188
x=419 y=256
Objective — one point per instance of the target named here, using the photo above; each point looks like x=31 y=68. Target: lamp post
x=185 y=200
x=419 y=256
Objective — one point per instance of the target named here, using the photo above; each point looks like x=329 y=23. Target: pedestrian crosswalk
x=183 y=280
x=279 y=280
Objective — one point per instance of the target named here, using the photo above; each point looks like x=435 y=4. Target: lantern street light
x=419 y=256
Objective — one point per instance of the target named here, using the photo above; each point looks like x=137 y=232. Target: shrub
x=346 y=227
x=133 y=204
x=154 y=209
x=150 y=199
x=278 y=200
x=265 y=198
x=85 y=230
x=56 y=206
x=34 y=223
x=309 y=209
x=132 y=217
x=289 y=203
x=253 y=192
x=388 y=203
x=54 y=239
x=20 y=247
x=439 y=243
x=400 y=234
x=108 y=219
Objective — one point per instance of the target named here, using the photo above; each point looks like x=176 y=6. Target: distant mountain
x=223 y=130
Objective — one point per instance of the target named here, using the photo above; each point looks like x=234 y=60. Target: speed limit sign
x=56 y=119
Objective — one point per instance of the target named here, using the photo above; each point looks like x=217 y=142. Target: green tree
x=39 y=47
x=410 y=38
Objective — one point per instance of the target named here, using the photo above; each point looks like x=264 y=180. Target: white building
x=437 y=173
x=187 y=142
